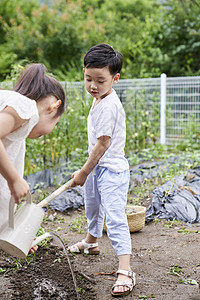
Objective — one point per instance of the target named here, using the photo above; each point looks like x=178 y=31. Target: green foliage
x=191 y=137
x=154 y=37
x=143 y=120
x=7 y=58
x=77 y=224
x=68 y=140
x=41 y=231
x=2 y=270
x=56 y=34
x=170 y=41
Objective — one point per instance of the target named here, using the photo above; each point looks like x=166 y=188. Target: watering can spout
x=40 y=238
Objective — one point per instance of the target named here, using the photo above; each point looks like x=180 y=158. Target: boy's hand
x=97 y=152
x=79 y=178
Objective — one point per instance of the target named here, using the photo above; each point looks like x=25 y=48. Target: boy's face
x=98 y=82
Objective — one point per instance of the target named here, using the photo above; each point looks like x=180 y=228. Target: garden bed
x=165 y=259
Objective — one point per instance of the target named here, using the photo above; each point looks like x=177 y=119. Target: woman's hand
x=33 y=249
x=19 y=188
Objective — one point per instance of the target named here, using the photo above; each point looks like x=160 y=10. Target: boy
x=106 y=172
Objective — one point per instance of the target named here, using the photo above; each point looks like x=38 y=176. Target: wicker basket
x=135 y=217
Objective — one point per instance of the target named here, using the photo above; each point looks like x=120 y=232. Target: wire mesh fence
x=182 y=109
x=141 y=99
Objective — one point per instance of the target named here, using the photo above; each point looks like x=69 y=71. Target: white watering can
x=19 y=236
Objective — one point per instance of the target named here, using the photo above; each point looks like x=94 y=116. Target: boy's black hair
x=103 y=55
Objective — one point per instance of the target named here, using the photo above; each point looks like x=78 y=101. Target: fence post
x=163 y=108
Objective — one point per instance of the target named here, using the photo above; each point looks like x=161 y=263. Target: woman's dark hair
x=103 y=55
x=35 y=84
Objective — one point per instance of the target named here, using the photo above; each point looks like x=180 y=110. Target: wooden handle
x=57 y=192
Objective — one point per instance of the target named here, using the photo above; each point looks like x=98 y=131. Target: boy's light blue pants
x=106 y=196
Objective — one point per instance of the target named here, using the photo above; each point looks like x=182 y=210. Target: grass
x=176 y=225
x=78 y=224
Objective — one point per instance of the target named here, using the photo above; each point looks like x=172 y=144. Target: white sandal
x=126 y=283
x=87 y=248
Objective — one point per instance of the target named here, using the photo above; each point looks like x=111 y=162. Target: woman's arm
x=9 y=122
x=97 y=152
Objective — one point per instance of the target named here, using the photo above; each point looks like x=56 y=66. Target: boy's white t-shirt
x=14 y=142
x=108 y=118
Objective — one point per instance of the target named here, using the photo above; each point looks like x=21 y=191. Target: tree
x=56 y=35
x=153 y=36
x=171 y=41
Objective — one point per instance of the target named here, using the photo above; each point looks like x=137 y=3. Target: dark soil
x=165 y=258
x=48 y=276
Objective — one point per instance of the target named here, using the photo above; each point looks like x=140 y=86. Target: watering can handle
x=57 y=192
x=11 y=212
x=12 y=209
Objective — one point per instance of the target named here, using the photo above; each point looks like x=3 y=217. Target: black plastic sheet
x=42 y=179
x=178 y=199
x=72 y=198
x=145 y=171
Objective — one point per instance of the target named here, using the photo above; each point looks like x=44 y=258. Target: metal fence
x=170 y=105
x=166 y=109
x=182 y=109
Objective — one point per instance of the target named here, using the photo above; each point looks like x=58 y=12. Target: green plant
x=174 y=163
x=2 y=270
x=167 y=223
x=59 y=220
x=40 y=193
x=191 y=133
x=186 y=231
x=57 y=260
x=192 y=281
x=58 y=229
x=77 y=224
x=142 y=115
x=17 y=264
x=177 y=271
x=171 y=224
x=68 y=140
x=81 y=290
x=40 y=232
